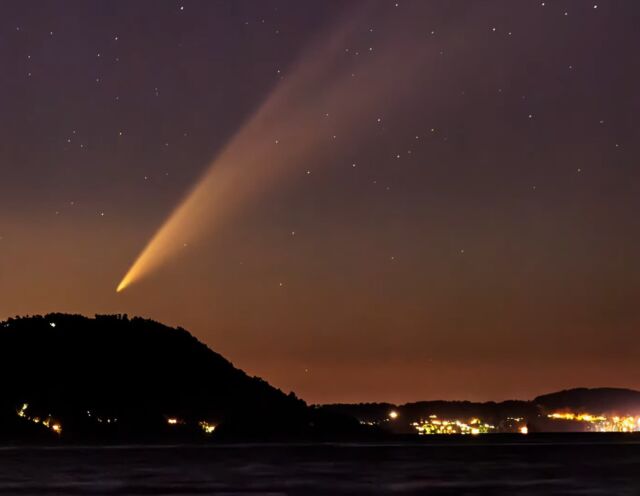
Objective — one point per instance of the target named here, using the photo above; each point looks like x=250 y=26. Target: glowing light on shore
x=600 y=423
x=434 y=425
x=207 y=427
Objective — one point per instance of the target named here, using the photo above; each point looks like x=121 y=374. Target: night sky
x=427 y=199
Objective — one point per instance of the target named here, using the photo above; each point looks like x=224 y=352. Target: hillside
x=111 y=377
x=115 y=379
x=608 y=402
x=595 y=400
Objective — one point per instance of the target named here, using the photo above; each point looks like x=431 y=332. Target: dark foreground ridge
x=111 y=379
x=114 y=379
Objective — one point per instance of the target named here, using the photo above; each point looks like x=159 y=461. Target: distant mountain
x=115 y=378
x=596 y=400
x=398 y=418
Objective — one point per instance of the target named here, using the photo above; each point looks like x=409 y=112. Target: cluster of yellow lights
x=207 y=427
x=434 y=425
x=47 y=422
x=601 y=423
x=580 y=417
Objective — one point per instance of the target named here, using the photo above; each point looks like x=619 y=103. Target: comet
x=287 y=128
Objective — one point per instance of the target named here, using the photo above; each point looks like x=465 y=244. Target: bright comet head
x=123 y=284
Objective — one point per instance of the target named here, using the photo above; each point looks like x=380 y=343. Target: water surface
x=438 y=468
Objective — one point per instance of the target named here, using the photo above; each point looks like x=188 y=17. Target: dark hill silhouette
x=600 y=401
x=379 y=413
x=117 y=378
x=595 y=400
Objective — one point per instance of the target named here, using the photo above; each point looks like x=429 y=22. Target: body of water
x=533 y=467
